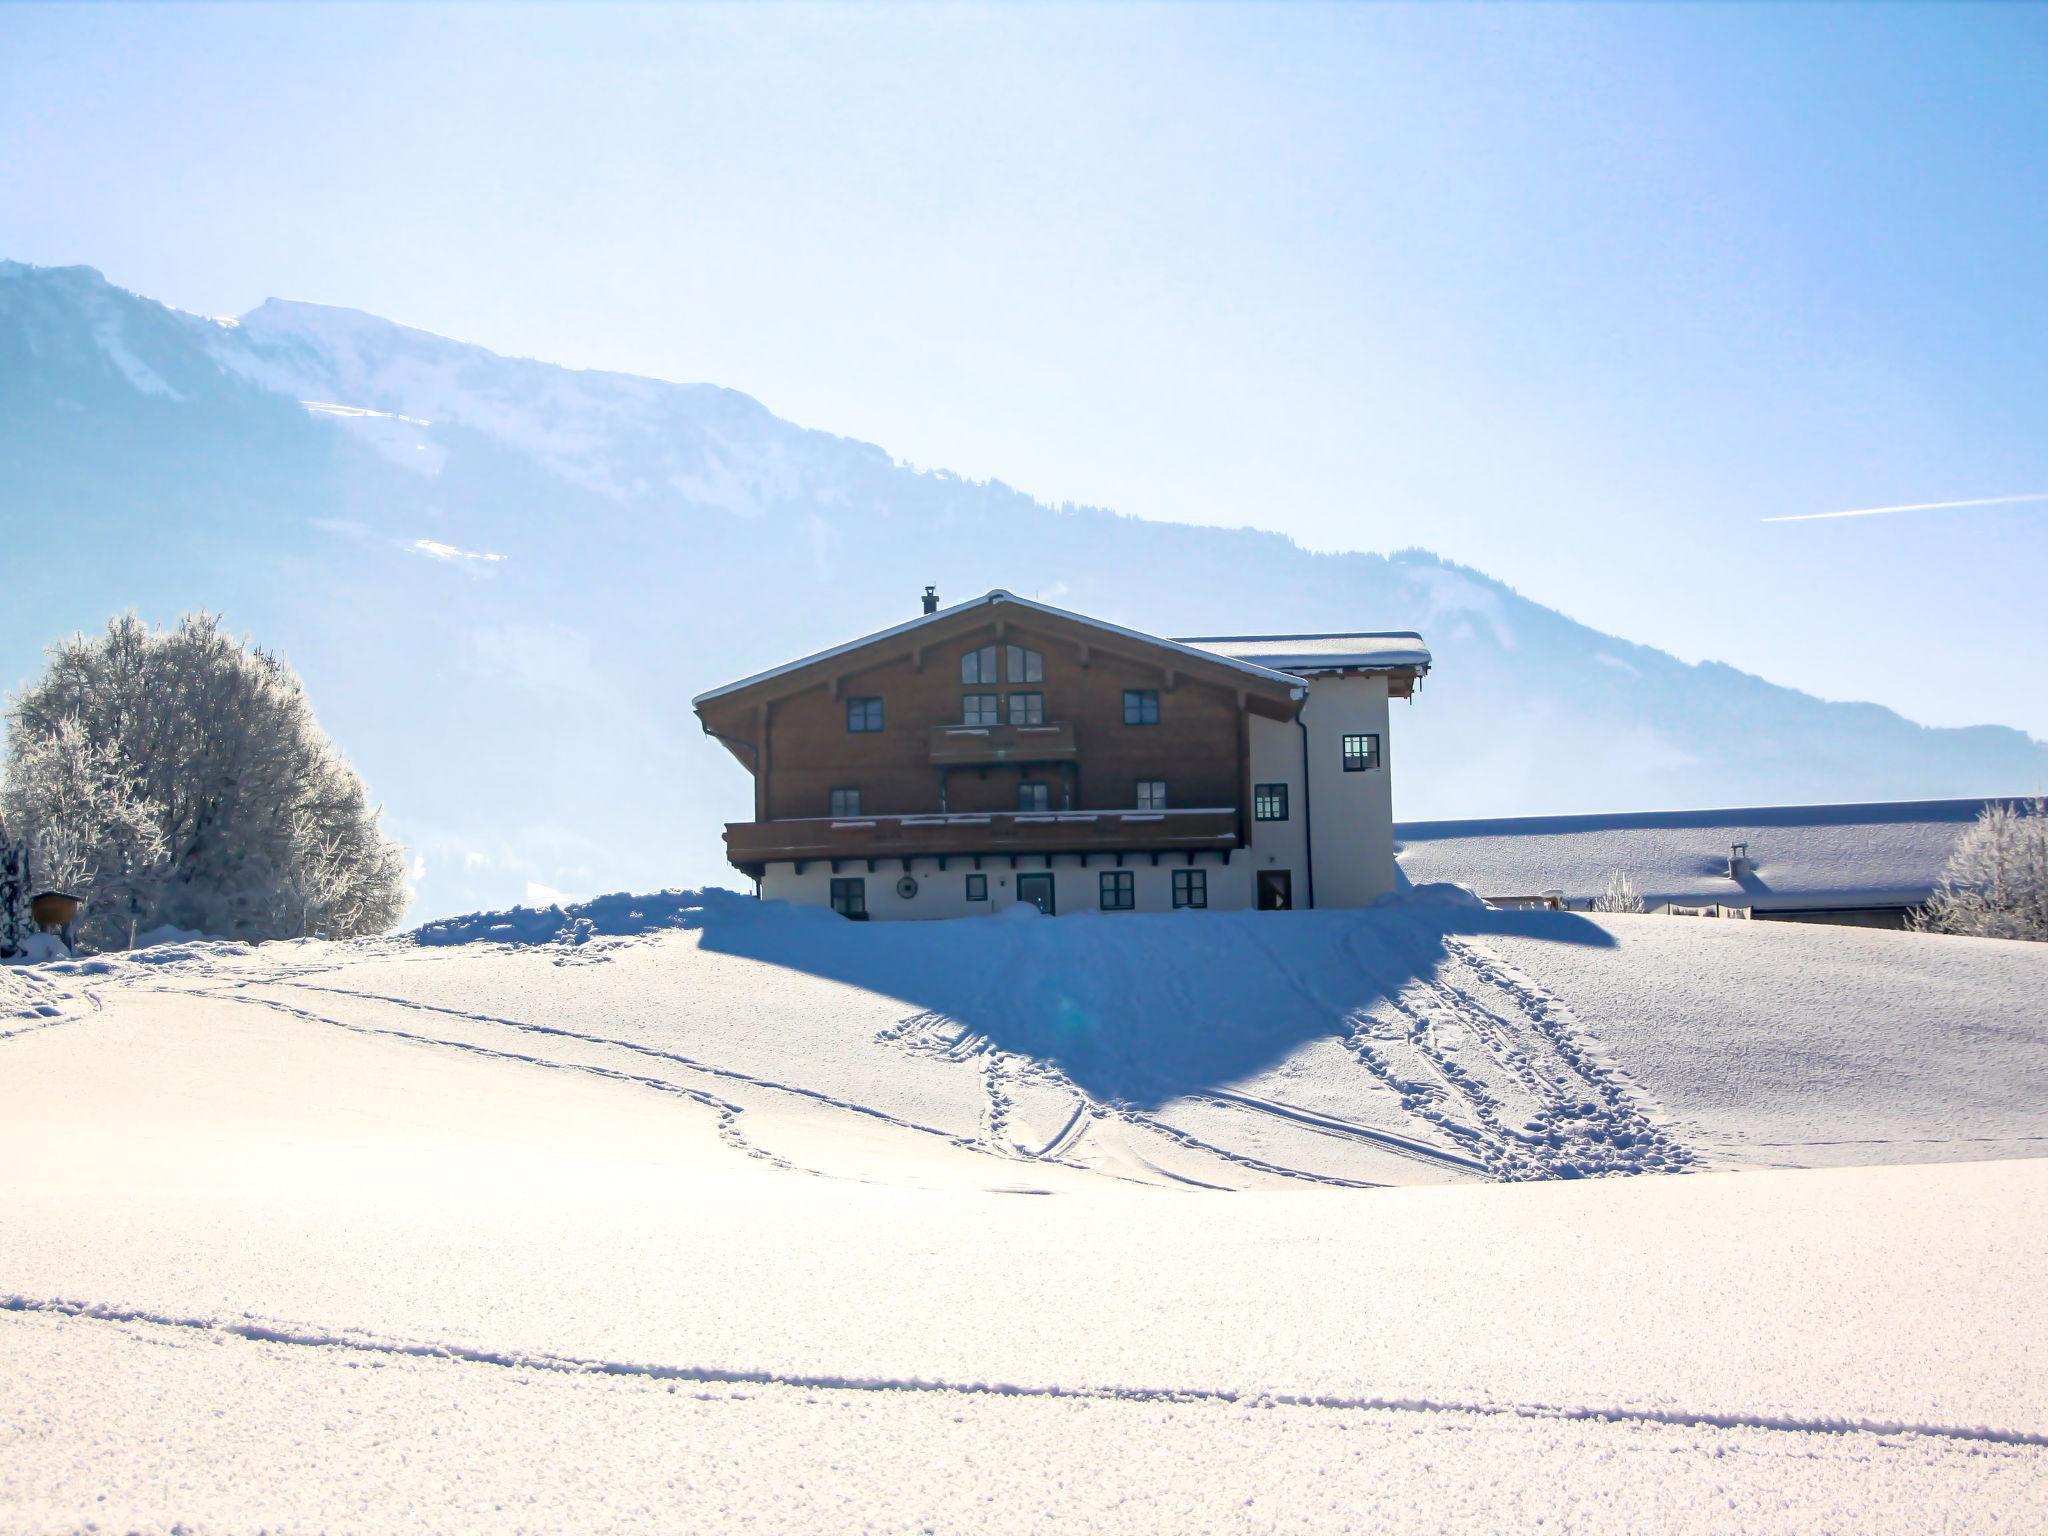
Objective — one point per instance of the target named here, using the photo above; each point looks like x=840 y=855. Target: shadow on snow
x=1136 y=1008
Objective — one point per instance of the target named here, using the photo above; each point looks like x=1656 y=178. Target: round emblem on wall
x=907 y=887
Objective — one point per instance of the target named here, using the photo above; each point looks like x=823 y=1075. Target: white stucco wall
x=1353 y=812
x=1276 y=759
x=943 y=893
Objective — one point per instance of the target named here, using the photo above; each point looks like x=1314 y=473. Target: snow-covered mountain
x=505 y=579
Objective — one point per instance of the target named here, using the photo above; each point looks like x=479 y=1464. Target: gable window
x=1151 y=794
x=978 y=709
x=1361 y=753
x=845 y=802
x=1269 y=802
x=1027 y=709
x=1025 y=666
x=1191 y=888
x=850 y=898
x=1141 y=706
x=979 y=666
x=977 y=887
x=1119 y=890
x=1033 y=796
x=863 y=714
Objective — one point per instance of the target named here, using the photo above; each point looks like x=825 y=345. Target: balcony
x=751 y=844
x=976 y=746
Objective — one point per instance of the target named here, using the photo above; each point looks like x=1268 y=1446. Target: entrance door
x=1276 y=890
x=1036 y=889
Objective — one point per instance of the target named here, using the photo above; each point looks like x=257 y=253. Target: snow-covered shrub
x=1995 y=885
x=1620 y=895
x=179 y=777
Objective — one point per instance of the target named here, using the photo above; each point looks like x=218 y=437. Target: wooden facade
x=939 y=778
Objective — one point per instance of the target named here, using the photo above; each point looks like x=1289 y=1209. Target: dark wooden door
x=1276 y=890
x=1036 y=889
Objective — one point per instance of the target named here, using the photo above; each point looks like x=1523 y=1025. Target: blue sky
x=1578 y=296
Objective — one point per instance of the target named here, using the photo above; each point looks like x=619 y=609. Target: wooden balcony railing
x=973 y=746
x=751 y=844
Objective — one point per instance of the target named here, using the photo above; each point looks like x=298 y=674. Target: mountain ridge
x=503 y=577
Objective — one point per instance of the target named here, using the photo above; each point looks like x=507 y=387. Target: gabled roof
x=1376 y=651
x=1881 y=854
x=1250 y=668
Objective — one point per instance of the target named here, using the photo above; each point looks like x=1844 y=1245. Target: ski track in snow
x=728 y=1113
x=926 y=1034
x=259 y=1331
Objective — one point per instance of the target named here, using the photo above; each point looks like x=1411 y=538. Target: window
x=1034 y=797
x=1151 y=794
x=1361 y=753
x=845 y=802
x=863 y=714
x=1269 y=802
x=1191 y=888
x=978 y=709
x=1141 y=706
x=1119 y=890
x=1025 y=666
x=1027 y=709
x=979 y=666
x=977 y=887
x=850 y=898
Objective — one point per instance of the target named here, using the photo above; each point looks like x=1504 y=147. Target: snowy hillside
x=502 y=578
x=686 y=1213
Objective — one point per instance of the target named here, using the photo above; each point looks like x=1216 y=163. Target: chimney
x=1739 y=865
x=931 y=599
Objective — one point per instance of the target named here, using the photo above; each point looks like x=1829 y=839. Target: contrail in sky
x=1918 y=506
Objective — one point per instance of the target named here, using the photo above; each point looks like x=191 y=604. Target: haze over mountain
x=503 y=581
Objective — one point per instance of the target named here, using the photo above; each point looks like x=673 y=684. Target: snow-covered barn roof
x=1883 y=854
x=1399 y=650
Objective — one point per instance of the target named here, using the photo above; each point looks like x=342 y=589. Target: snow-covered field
x=687 y=1213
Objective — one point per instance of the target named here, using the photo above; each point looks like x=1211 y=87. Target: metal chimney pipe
x=931 y=599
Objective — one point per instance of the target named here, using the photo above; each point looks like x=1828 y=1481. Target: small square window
x=977 y=887
x=979 y=666
x=850 y=898
x=1151 y=794
x=845 y=802
x=1034 y=797
x=1119 y=890
x=1025 y=666
x=1027 y=709
x=1191 y=888
x=978 y=709
x=1269 y=802
x=1361 y=753
x=863 y=714
x=1141 y=706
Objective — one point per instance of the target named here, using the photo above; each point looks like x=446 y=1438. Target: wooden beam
x=763 y=759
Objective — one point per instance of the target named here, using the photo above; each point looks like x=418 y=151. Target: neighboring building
x=1868 y=865
x=1004 y=751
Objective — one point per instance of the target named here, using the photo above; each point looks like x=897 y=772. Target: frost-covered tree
x=1995 y=885
x=179 y=776
x=1620 y=895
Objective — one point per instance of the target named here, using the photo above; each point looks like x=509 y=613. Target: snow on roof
x=1398 y=650
x=998 y=595
x=1887 y=853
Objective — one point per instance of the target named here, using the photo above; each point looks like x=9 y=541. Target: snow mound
x=1441 y=894
x=621 y=914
